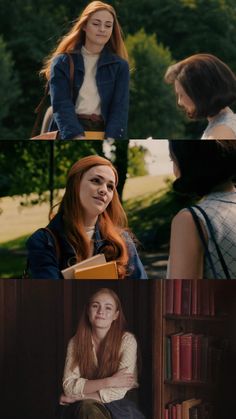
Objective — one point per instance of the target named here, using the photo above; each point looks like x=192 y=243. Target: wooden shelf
x=189 y=383
x=197 y=318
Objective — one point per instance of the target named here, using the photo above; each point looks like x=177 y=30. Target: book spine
x=168 y=358
x=177 y=295
x=186 y=297
x=175 y=357
x=186 y=357
x=194 y=310
x=196 y=370
x=169 y=303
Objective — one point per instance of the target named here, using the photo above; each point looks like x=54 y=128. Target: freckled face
x=102 y=311
x=98 y=29
x=96 y=191
x=183 y=100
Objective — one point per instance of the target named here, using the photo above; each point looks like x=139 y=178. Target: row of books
x=193 y=357
x=189 y=409
x=189 y=297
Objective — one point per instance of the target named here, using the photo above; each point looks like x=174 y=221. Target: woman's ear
x=116 y=315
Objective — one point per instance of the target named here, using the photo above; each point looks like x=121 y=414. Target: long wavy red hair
x=76 y=36
x=109 y=352
x=112 y=222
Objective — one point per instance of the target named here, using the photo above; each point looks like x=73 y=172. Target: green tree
x=9 y=87
x=25 y=166
x=137 y=164
x=153 y=111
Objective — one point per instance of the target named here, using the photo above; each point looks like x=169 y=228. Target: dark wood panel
x=37 y=318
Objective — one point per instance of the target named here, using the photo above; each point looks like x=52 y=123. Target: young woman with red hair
x=99 y=99
x=90 y=221
x=101 y=363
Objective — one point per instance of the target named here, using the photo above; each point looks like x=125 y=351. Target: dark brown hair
x=207 y=80
x=203 y=165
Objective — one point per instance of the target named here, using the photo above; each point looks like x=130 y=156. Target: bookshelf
x=204 y=370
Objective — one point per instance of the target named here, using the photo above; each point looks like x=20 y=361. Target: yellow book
x=68 y=273
x=186 y=406
x=106 y=270
x=94 y=135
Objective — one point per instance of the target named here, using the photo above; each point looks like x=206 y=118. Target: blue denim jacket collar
x=106 y=57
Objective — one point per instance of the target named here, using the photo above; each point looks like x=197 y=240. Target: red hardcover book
x=173 y=412
x=186 y=345
x=205 y=298
x=194 y=307
x=166 y=413
x=177 y=295
x=175 y=355
x=178 y=411
x=196 y=370
x=186 y=297
x=169 y=296
x=199 y=296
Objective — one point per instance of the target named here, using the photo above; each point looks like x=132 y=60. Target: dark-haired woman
x=90 y=221
x=206 y=88
x=205 y=170
x=101 y=363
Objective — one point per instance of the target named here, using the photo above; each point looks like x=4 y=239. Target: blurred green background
x=157 y=33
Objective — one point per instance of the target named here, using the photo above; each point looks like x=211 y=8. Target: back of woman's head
x=109 y=353
x=203 y=165
x=207 y=80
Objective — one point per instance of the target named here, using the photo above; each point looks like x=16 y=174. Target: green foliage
x=152 y=102
x=25 y=165
x=9 y=87
x=150 y=216
x=31 y=30
x=137 y=163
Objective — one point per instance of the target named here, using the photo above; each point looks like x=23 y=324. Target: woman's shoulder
x=40 y=238
x=61 y=59
x=222 y=126
x=128 y=338
x=129 y=238
x=111 y=57
x=182 y=219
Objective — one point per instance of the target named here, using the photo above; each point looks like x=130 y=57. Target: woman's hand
x=64 y=400
x=79 y=137
x=121 y=378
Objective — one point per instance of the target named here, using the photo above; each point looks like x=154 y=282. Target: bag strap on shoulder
x=26 y=272
x=203 y=240
x=209 y=225
x=56 y=242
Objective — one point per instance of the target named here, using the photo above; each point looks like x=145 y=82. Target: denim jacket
x=112 y=79
x=43 y=259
